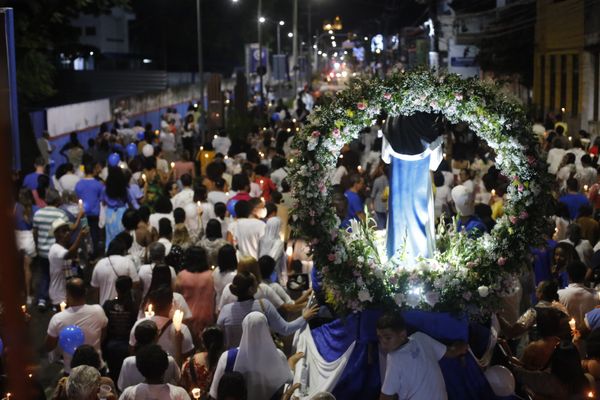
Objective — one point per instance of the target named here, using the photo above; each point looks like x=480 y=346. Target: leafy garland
x=464 y=274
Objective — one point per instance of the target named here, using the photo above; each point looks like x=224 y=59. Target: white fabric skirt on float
x=312 y=371
x=25 y=242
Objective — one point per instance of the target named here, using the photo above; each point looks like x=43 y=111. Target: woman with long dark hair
x=213 y=241
x=115 y=200
x=198 y=370
x=161 y=277
x=225 y=271
x=195 y=283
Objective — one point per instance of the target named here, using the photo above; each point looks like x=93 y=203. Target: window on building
x=575 y=95
x=90 y=31
x=552 y=102
x=563 y=81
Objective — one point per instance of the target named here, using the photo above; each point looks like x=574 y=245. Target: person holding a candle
x=586 y=172
x=578 y=298
x=178 y=344
x=197 y=371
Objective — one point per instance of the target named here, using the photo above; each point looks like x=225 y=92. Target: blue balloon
x=113 y=160
x=131 y=150
x=231 y=207
x=70 y=338
x=140 y=135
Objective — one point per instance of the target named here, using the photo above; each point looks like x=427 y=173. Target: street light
x=290 y=34
x=261 y=20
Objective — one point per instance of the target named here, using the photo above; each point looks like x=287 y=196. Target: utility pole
x=295 y=47
x=200 y=60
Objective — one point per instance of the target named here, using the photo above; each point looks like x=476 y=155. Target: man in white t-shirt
x=90 y=318
x=108 y=269
x=152 y=362
x=146 y=333
x=219 y=194
x=178 y=344
x=221 y=143
x=186 y=195
x=59 y=258
x=412 y=368
x=156 y=255
x=577 y=297
x=247 y=230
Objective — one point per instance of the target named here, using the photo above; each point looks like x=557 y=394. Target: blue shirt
x=89 y=190
x=355 y=204
x=31 y=181
x=21 y=224
x=573 y=202
x=593 y=318
x=474 y=226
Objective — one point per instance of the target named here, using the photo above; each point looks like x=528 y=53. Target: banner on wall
x=75 y=117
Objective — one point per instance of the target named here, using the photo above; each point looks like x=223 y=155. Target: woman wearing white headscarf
x=271 y=245
x=265 y=368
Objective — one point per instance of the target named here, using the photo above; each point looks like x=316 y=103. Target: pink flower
x=458 y=96
x=520 y=188
x=387 y=96
x=336 y=133
x=512 y=219
x=501 y=261
x=316 y=134
x=331 y=257
x=515 y=178
x=524 y=215
x=361 y=106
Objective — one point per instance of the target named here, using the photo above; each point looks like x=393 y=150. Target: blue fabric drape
x=361 y=378
x=408 y=209
x=113 y=225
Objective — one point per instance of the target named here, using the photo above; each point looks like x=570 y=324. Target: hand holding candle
x=63 y=306
x=177 y=319
x=196 y=393
x=572 y=324
x=149 y=313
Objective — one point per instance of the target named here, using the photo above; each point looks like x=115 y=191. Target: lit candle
x=289 y=251
x=291 y=160
x=144 y=177
x=493 y=192
x=289 y=129
x=585 y=188
x=359 y=168
x=294 y=120
x=149 y=313
x=341 y=156
x=212 y=267
x=570 y=138
x=262 y=199
x=214 y=137
x=562 y=109
x=572 y=324
x=172 y=165
x=444 y=156
x=196 y=393
x=24 y=309
x=177 y=319
x=590 y=395
x=63 y=306
x=261 y=181
x=226 y=157
x=206 y=156
x=80 y=204
x=156 y=132
x=201 y=148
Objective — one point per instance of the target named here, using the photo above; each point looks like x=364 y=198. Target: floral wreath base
x=464 y=275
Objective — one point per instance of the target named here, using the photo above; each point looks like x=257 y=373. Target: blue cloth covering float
x=361 y=378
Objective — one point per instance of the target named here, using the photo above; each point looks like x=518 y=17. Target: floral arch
x=464 y=274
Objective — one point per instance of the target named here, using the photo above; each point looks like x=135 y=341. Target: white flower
x=399 y=298
x=364 y=295
x=483 y=291
x=413 y=299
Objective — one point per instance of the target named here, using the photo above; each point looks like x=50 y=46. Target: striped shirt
x=42 y=222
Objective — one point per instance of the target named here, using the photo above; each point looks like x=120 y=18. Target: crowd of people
x=172 y=251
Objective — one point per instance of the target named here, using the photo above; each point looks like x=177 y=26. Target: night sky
x=165 y=30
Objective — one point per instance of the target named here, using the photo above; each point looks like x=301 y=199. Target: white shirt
x=145 y=275
x=58 y=281
x=181 y=199
x=156 y=217
x=167 y=139
x=555 y=156
x=106 y=272
x=165 y=242
x=90 y=318
x=248 y=232
x=412 y=371
x=163 y=391
x=586 y=176
x=579 y=300
x=339 y=173
x=131 y=376
x=215 y=196
x=278 y=176
x=220 y=280
x=221 y=144
x=167 y=339
x=441 y=203
x=68 y=182
x=263 y=292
